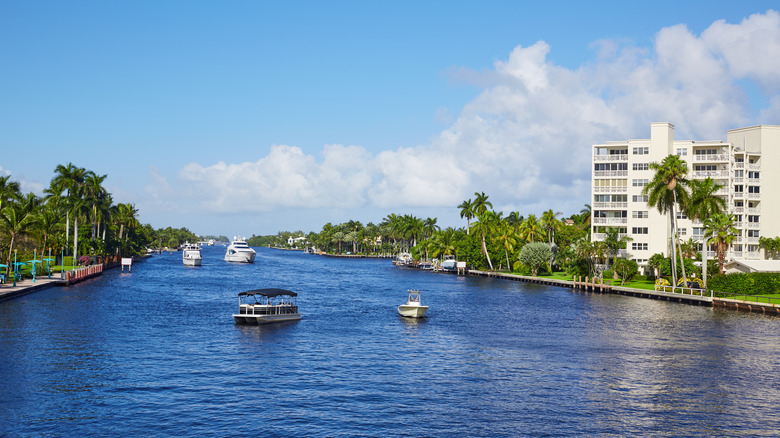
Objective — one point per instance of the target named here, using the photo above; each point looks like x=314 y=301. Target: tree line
x=76 y=216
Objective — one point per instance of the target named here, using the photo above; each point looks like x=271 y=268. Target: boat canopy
x=270 y=293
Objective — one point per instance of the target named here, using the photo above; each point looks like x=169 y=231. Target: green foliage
x=626 y=269
x=755 y=283
x=535 y=256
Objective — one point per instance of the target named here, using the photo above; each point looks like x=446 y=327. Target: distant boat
x=190 y=254
x=403 y=259
x=262 y=306
x=449 y=263
x=239 y=251
x=413 y=307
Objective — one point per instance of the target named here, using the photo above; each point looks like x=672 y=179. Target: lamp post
x=15 y=268
x=62 y=263
x=35 y=254
x=48 y=263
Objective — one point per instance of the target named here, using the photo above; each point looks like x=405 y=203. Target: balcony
x=610 y=205
x=754 y=166
x=738 y=224
x=597 y=237
x=609 y=220
x=614 y=157
x=752 y=239
x=739 y=210
x=752 y=255
x=711 y=158
x=609 y=173
x=623 y=189
x=754 y=210
x=754 y=180
x=711 y=174
x=739 y=194
x=754 y=195
x=738 y=180
x=753 y=225
x=739 y=165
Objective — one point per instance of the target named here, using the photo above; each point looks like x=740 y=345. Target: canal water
x=155 y=352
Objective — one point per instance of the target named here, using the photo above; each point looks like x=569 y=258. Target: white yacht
x=449 y=263
x=413 y=307
x=261 y=306
x=239 y=251
x=190 y=254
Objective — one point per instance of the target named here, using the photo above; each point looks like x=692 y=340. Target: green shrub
x=756 y=283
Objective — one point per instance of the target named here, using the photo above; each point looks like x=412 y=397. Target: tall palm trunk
x=674 y=235
x=484 y=248
x=75 y=238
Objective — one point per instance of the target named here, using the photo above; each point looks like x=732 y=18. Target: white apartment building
x=744 y=165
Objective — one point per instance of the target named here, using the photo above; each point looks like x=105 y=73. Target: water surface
x=155 y=352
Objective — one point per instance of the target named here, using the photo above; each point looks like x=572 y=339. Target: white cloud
x=526 y=139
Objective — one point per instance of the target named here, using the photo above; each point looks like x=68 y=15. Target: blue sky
x=248 y=117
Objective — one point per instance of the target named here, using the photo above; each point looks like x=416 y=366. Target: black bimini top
x=270 y=293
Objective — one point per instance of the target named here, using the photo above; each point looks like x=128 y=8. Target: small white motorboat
x=449 y=263
x=262 y=306
x=413 y=307
x=239 y=251
x=190 y=254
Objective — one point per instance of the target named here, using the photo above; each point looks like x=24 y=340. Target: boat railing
x=268 y=309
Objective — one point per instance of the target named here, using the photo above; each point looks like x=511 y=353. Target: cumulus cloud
x=526 y=138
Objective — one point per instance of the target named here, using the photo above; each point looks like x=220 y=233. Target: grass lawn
x=772 y=299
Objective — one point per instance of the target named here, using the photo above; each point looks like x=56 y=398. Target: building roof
x=755 y=265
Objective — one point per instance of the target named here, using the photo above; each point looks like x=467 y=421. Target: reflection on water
x=492 y=358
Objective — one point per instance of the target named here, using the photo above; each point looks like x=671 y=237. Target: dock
x=702 y=298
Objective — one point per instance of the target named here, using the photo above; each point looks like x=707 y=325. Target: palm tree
x=95 y=194
x=530 y=229
x=485 y=226
x=8 y=190
x=615 y=242
x=702 y=204
x=550 y=223
x=16 y=220
x=467 y=211
x=720 y=228
x=68 y=179
x=481 y=204
x=506 y=236
x=666 y=190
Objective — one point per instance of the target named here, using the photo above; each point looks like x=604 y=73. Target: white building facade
x=621 y=170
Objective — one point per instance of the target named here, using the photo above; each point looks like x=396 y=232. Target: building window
x=754 y=189
x=641 y=166
x=698 y=232
x=682 y=231
x=681 y=215
x=639 y=198
x=641 y=151
x=753 y=233
x=752 y=174
x=639 y=182
x=682 y=152
x=739 y=188
x=640 y=214
x=638 y=246
x=752 y=218
x=638 y=230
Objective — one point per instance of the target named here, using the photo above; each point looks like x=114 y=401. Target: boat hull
x=192 y=261
x=265 y=319
x=240 y=257
x=412 y=311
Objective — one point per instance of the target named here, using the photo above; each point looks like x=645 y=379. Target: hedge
x=755 y=283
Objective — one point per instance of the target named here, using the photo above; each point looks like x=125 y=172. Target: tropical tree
x=467 y=211
x=720 y=228
x=702 y=204
x=535 y=255
x=666 y=190
x=615 y=242
x=485 y=226
x=506 y=237
x=15 y=220
x=531 y=229
x=550 y=223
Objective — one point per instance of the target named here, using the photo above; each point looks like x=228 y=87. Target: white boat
x=449 y=263
x=413 y=307
x=190 y=254
x=403 y=259
x=262 y=306
x=239 y=251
